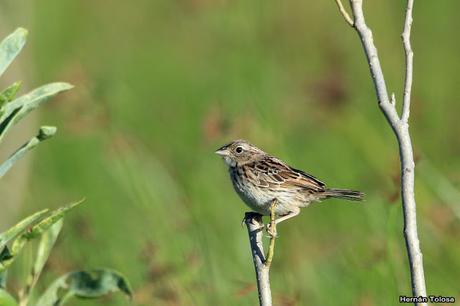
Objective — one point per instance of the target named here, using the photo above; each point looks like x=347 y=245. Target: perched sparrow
x=260 y=179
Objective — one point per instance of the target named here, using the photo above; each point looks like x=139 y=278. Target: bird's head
x=239 y=152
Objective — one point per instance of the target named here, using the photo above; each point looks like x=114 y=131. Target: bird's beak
x=222 y=151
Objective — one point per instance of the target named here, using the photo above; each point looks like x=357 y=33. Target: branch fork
x=400 y=126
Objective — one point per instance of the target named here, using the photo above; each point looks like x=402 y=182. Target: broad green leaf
x=49 y=221
x=18 y=108
x=6 y=299
x=35 y=231
x=10 y=47
x=9 y=93
x=47 y=241
x=84 y=284
x=19 y=228
x=44 y=133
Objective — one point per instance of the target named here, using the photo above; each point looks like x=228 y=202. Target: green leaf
x=47 y=241
x=10 y=48
x=84 y=284
x=6 y=299
x=20 y=227
x=5 y=237
x=46 y=223
x=15 y=110
x=44 y=133
x=9 y=93
x=35 y=231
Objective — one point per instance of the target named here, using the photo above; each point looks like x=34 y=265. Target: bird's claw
x=271 y=231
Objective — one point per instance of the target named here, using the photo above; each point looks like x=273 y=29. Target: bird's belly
x=260 y=200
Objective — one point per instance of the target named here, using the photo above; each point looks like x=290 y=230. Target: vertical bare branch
x=256 y=227
x=407 y=170
x=409 y=61
x=365 y=34
x=400 y=127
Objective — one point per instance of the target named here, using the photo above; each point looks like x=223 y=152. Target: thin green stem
x=271 y=247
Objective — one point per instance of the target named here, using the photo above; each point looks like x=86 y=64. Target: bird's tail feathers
x=346 y=194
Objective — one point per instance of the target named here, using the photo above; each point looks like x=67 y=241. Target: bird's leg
x=279 y=220
x=287 y=216
x=271 y=226
x=272 y=232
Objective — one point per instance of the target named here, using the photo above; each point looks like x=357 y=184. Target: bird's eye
x=239 y=150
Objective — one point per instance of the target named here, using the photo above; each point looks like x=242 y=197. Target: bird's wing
x=303 y=179
x=273 y=172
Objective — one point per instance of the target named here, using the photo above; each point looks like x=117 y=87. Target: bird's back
x=268 y=178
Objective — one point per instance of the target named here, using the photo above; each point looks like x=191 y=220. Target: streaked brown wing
x=302 y=179
x=271 y=172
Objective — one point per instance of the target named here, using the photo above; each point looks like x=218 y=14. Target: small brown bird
x=259 y=179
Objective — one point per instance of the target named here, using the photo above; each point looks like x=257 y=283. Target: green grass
x=161 y=84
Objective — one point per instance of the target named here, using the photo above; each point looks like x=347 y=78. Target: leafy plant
x=44 y=225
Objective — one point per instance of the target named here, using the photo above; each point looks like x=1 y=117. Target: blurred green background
x=161 y=84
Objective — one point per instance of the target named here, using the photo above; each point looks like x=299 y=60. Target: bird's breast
x=258 y=197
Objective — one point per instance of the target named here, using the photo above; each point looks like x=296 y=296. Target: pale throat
x=230 y=162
